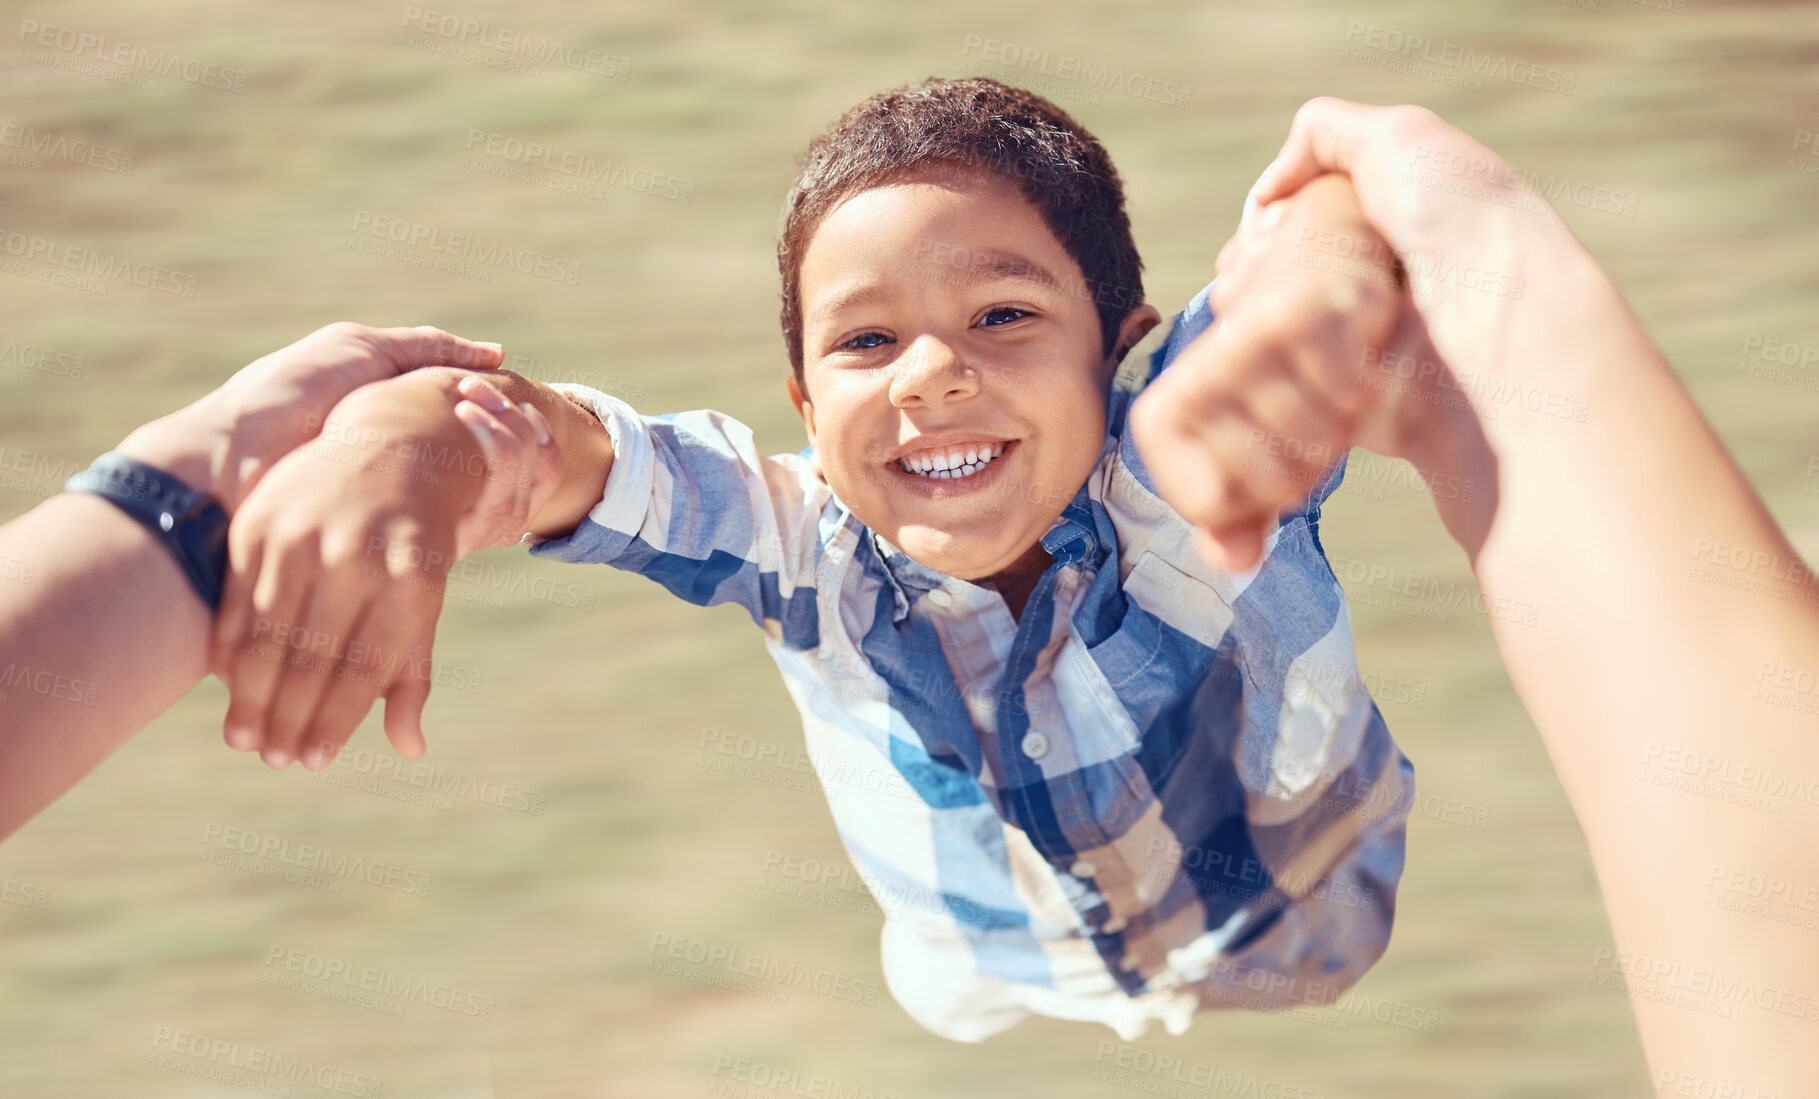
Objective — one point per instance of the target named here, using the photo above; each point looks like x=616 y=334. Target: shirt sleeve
x=691 y=505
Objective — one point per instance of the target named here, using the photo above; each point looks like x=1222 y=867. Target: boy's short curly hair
x=975 y=124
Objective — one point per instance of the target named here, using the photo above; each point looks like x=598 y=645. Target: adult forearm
x=1610 y=569
x=100 y=631
x=1646 y=606
x=103 y=633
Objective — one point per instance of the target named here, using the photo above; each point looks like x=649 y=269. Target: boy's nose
x=931 y=373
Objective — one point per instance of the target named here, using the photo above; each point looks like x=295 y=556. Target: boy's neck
x=1018 y=580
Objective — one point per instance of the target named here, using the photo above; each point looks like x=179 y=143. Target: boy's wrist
x=588 y=456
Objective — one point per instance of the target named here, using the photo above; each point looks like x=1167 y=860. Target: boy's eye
x=865 y=341
x=1005 y=314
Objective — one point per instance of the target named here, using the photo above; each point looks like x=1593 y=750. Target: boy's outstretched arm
x=339 y=559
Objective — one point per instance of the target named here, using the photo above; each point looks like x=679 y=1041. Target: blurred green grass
x=602 y=711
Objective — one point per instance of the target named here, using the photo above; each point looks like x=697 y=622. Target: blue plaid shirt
x=1163 y=788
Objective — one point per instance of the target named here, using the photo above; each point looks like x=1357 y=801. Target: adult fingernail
x=276 y=758
x=494 y=346
x=537 y=421
x=241 y=739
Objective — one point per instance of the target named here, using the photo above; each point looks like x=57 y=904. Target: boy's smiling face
x=954 y=374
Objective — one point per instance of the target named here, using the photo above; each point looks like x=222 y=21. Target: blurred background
x=616 y=824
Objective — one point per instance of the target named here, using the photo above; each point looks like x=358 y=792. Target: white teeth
x=952 y=464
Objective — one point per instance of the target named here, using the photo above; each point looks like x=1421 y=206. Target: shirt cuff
x=629 y=486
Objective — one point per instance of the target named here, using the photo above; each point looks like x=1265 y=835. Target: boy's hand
x=1243 y=426
x=340 y=557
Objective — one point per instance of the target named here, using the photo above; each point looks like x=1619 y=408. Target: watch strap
x=191 y=525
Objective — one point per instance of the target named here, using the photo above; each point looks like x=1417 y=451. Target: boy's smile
x=954 y=375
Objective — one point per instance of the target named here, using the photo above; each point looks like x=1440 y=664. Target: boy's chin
x=968 y=558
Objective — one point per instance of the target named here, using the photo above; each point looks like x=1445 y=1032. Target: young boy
x=1132 y=785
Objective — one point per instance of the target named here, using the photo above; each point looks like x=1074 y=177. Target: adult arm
x=99 y=629
x=1664 y=595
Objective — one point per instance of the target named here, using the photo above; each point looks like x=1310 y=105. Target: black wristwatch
x=192 y=525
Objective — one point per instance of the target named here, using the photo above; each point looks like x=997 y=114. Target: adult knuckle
x=296 y=547
x=1315 y=107
x=1409 y=119
x=341 y=330
x=342 y=549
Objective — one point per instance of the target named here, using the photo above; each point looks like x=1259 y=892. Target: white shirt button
x=1083 y=869
x=940 y=598
x=1035 y=745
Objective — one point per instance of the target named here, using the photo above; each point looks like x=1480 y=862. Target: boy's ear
x=1137 y=324
x=804 y=407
